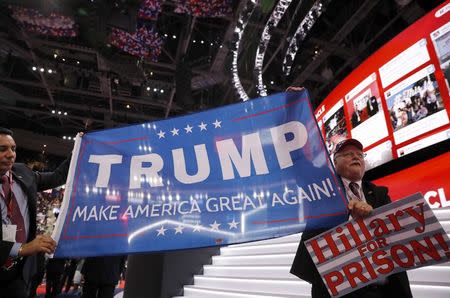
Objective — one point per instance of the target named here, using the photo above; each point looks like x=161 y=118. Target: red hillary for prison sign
x=396 y=237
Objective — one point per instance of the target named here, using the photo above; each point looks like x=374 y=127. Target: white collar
x=347 y=182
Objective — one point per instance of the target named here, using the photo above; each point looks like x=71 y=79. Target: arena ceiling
x=87 y=84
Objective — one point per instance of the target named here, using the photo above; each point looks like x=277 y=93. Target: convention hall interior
x=70 y=66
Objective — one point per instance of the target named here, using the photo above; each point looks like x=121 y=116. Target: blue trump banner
x=244 y=172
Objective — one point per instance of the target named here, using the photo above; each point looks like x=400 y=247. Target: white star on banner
x=161 y=134
x=188 y=128
x=174 y=131
x=233 y=224
x=161 y=231
x=215 y=226
x=179 y=230
x=202 y=126
x=217 y=123
x=197 y=227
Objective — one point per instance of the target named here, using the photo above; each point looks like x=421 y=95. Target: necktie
x=13 y=210
x=354 y=187
x=6 y=189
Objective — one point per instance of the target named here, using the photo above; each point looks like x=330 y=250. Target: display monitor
x=397 y=101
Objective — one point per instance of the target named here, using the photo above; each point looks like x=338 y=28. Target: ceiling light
x=162 y=90
x=64 y=137
x=211 y=43
x=42 y=69
x=194 y=41
x=174 y=36
x=243 y=18
x=305 y=26
x=128 y=106
x=53 y=111
x=45 y=145
x=34 y=68
x=155 y=89
x=148 y=88
x=65 y=113
x=273 y=21
x=50 y=71
x=64 y=59
x=165 y=35
x=201 y=41
x=78 y=62
x=59 y=112
x=55 y=55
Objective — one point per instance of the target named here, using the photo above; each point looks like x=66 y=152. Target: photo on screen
x=414 y=102
x=441 y=42
x=335 y=127
x=366 y=112
x=362 y=107
x=378 y=155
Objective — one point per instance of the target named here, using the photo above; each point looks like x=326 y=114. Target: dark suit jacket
x=32 y=182
x=304 y=267
x=103 y=270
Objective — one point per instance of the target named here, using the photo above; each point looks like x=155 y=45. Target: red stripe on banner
x=94 y=236
x=120 y=141
x=270 y=110
x=297 y=219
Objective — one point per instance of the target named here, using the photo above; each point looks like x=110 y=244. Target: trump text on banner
x=248 y=171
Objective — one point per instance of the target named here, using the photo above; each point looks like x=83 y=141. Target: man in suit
x=372 y=106
x=19 y=244
x=363 y=197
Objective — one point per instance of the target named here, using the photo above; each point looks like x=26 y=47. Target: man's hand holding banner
x=396 y=237
x=244 y=172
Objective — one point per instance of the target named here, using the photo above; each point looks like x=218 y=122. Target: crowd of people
x=68 y=276
x=414 y=104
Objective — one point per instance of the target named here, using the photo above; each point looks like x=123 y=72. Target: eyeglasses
x=351 y=154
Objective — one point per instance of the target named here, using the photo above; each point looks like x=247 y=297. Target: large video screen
x=398 y=100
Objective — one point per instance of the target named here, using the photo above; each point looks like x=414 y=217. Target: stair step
x=294 y=238
x=268 y=286
x=278 y=272
x=200 y=292
x=438 y=275
x=259 y=249
x=273 y=259
x=433 y=274
x=426 y=291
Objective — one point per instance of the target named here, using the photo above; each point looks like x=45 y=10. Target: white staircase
x=261 y=269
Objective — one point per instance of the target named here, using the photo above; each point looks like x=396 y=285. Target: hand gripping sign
x=399 y=236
